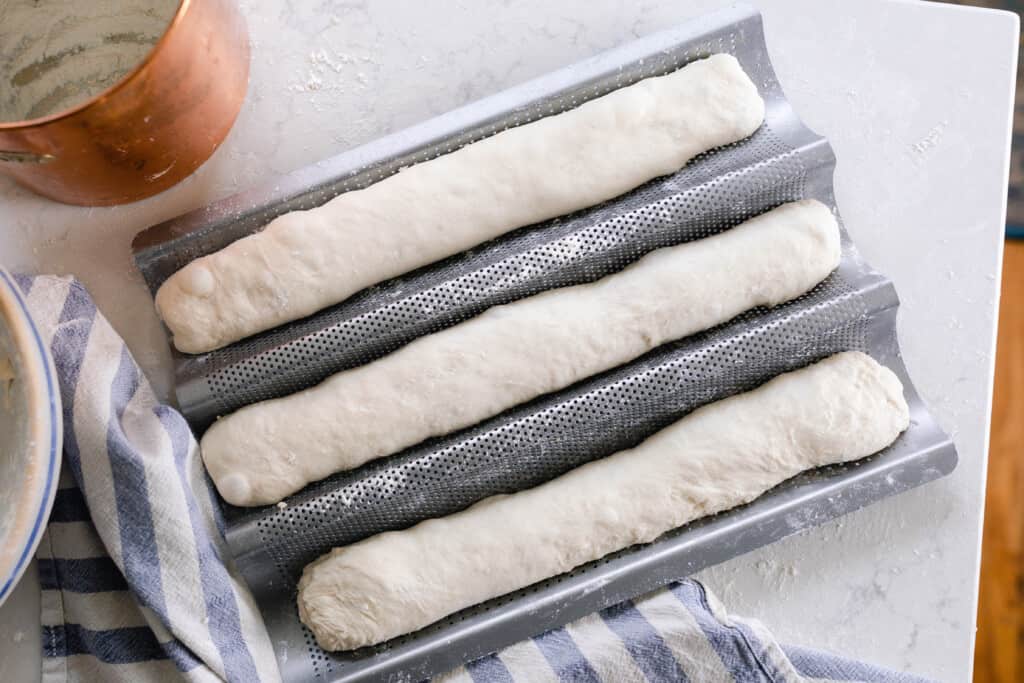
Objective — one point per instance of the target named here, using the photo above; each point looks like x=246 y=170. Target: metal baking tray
x=855 y=308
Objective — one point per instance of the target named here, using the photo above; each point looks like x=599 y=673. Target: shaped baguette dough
x=722 y=455
x=307 y=260
x=513 y=353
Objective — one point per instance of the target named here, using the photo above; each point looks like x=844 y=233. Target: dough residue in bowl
x=14 y=431
x=7 y=378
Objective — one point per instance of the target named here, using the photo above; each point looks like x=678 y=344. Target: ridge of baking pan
x=784 y=161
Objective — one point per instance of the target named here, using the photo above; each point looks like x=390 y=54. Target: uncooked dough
x=513 y=353
x=722 y=455
x=308 y=260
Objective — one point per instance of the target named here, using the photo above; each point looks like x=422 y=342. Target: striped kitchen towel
x=678 y=633
x=138 y=585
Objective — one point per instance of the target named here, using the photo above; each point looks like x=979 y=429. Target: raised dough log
x=308 y=260
x=513 y=353
x=722 y=455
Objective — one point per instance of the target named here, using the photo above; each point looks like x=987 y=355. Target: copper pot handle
x=25 y=157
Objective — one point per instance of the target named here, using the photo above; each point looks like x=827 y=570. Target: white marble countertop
x=916 y=99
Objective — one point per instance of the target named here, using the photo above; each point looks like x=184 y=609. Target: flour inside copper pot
x=14 y=434
x=55 y=54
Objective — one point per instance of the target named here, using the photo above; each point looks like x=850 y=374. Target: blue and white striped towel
x=133 y=566
x=138 y=585
x=678 y=633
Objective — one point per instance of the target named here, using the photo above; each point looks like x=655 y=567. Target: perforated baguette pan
x=855 y=308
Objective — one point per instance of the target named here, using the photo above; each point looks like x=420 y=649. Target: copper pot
x=147 y=131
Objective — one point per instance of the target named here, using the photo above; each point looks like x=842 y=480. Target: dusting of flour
x=56 y=54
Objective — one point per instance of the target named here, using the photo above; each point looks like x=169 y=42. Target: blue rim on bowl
x=42 y=449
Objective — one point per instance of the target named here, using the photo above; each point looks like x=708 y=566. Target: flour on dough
x=513 y=353
x=307 y=260
x=722 y=455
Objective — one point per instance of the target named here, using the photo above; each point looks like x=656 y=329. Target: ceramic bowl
x=30 y=435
